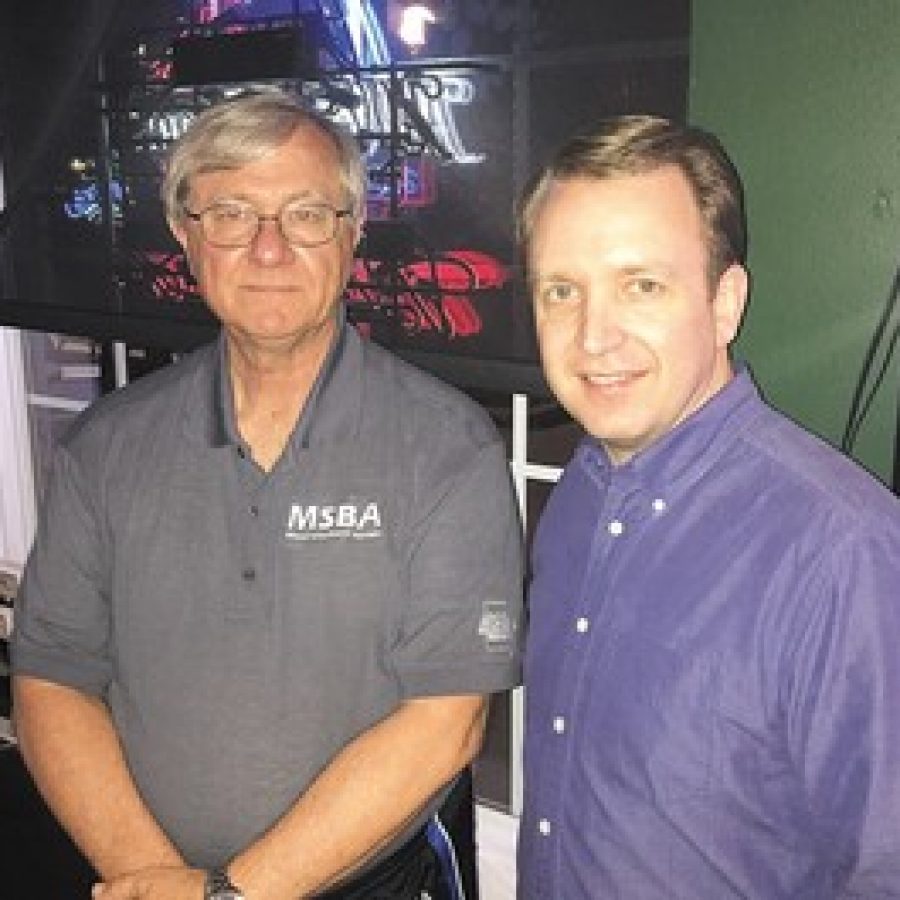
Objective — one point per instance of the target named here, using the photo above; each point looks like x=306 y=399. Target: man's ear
x=729 y=302
x=358 y=227
x=176 y=226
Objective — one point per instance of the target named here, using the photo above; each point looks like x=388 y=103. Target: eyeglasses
x=235 y=224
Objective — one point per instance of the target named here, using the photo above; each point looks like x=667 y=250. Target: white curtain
x=17 y=503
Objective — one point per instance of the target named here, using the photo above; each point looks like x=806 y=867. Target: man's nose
x=269 y=247
x=600 y=327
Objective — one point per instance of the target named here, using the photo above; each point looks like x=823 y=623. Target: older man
x=712 y=675
x=274 y=583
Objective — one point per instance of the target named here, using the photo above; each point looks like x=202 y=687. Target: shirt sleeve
x=461 y=633
x=844 y=713
x=62 y=621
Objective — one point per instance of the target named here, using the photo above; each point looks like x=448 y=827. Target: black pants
x=438 y=863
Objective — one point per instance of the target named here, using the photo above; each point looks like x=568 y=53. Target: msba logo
x=316 y=522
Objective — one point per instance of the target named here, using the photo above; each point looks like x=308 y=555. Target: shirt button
x=659 y=505
x=582 y=625
x=241 y=452
x=559 y=724
x=615 y=527
x=544 y=826
x=249 y=574
x=254 y=510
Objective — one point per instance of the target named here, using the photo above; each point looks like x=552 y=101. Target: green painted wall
x=805 y=94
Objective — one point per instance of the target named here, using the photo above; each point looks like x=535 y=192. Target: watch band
x=219 y=886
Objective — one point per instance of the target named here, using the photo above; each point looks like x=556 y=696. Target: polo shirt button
x=544 y=827
x=582 y=625
x=249 y=574
x=615 y=528
x=659 y=505
x=559 y=724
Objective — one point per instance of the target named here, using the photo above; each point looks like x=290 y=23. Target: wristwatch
x=219 y=886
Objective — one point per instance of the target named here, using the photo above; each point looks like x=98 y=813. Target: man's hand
x=157 y=883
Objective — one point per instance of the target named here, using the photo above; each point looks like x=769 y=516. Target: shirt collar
x=332 y=408
x=684 y=454
x=204 y=413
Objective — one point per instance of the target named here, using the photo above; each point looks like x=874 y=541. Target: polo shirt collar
x=686 y=453
x=333 y=407
x=204 y=412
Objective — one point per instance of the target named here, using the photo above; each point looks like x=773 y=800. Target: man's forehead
x=618 y=203
x=582 y=187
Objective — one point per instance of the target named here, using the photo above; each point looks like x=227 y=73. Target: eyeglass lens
x=237 y=224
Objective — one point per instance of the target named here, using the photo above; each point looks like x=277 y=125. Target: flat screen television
x=450 y=133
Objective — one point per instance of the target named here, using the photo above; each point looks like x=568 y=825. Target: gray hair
x=634 y=145
x=245 y=129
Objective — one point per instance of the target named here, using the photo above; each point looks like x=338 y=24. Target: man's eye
x=645 y=287
x=560 y=293
x=304 y=215
x=230 y=213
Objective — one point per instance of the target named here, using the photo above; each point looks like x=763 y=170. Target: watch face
x=219 y=887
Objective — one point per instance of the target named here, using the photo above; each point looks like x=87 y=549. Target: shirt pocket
x=664 y=720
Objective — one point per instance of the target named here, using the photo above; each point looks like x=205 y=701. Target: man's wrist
x=219 y=886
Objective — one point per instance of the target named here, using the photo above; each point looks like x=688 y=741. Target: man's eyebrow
x=551 y=275
x=243 y=196
x=653 y=268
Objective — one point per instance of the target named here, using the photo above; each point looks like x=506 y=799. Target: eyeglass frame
x=197 y=216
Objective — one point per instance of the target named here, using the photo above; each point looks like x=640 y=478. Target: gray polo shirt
x=244 y=626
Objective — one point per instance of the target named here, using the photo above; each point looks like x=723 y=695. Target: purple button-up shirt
x=713 y=671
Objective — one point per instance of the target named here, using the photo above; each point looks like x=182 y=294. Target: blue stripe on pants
x=442 y=845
